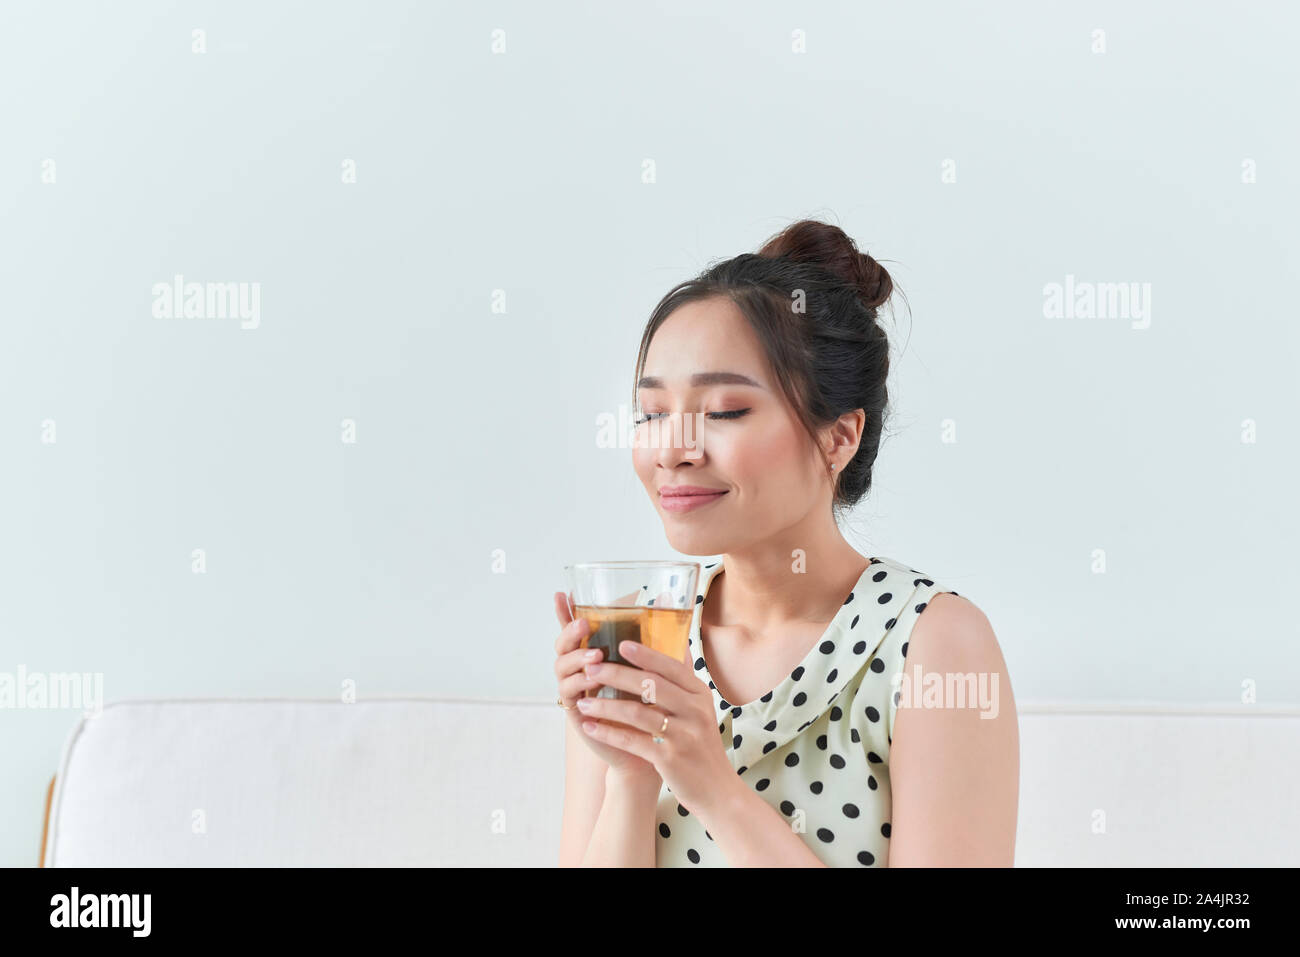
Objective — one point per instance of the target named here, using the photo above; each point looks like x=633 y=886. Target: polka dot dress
x=816 y=747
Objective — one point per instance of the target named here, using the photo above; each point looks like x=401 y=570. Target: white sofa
x=436 y=781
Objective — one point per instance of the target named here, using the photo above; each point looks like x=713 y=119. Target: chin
x=693 y=542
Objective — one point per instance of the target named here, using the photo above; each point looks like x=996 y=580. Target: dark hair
x=828 y=359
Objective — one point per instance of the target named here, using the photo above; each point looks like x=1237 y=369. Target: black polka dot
x=698 y=599
x=850 y=810
x=831 y=677
x=896 y=694
x=815 y=787
x=871 y=782
x=760 y=785
x=699 y=663
x=872 y=714
x=826 y=647
x=821 y=741
x=735 y=742
x=708 y=835
x=791 y=759
x=885 y=598
x=858 y=649
x=735 y=712
x=769 y=746
x=878 y=576
x=854 y=622
x=854 y=736
x=865 y=858
x=797 y=673
x=920 y=608
x=766 y=697
x=873 y=758
x=682 y=811
x=825 y=834
x=694 y=855
x=722 y=704
x=770 y=726
x=787 y=808
x=884 y=829
x=837 y=762
x=742 y=769
x=836 y=713
x=905 y=644
x=849 y=599
x=890 y=624
x=663 y=830
x=877 y=665
x=799 y=699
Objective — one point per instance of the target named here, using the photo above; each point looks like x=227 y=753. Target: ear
x=841 y=438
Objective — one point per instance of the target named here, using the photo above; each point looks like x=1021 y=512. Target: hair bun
x=834 y=250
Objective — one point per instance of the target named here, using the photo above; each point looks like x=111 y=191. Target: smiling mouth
x=690 y=502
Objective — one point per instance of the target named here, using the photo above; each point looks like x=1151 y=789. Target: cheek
x=760 y=459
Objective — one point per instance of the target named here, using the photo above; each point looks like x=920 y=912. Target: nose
x=676 y=438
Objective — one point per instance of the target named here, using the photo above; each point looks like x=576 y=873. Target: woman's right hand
x=574 y=684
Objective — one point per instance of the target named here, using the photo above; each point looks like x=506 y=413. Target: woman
x=787 y=738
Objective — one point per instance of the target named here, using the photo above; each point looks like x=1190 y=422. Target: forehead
x=703 y=336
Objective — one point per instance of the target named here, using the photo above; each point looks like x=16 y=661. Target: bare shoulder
x=954 y=756
x=952 y=630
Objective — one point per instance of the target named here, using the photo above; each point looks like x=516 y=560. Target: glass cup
x=649 y=602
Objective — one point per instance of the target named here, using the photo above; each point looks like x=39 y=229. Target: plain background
x=476 y=430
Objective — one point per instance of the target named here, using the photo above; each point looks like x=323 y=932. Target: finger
x=649 y=687
x=647 y=658
x=574 y=661
x=562 y=610
x=576 y=686
x=625 y=739
x=643 y=717
x=571 y=636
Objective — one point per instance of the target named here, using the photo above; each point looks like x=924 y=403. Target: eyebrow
x=704 y=378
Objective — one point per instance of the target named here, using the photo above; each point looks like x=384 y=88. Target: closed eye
x=712 y=415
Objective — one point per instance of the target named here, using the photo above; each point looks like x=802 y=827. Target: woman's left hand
x=692 y=759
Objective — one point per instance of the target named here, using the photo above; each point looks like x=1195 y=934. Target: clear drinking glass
x=649 y=602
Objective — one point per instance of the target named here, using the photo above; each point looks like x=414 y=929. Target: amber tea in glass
x=649 y=602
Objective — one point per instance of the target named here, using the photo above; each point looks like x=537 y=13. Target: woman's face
x=757 y=454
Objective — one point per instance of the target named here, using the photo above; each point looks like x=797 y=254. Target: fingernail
x=592 y=655
x=627 y=648
x=591 y=670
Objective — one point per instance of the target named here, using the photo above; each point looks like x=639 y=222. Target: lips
x=686 y=498
x=676 y=490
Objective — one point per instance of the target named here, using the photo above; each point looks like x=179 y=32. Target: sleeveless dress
x=816 y=747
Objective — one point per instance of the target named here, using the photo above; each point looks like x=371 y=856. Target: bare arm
x=954 y=774
x=624 y=834
x=584 y=792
